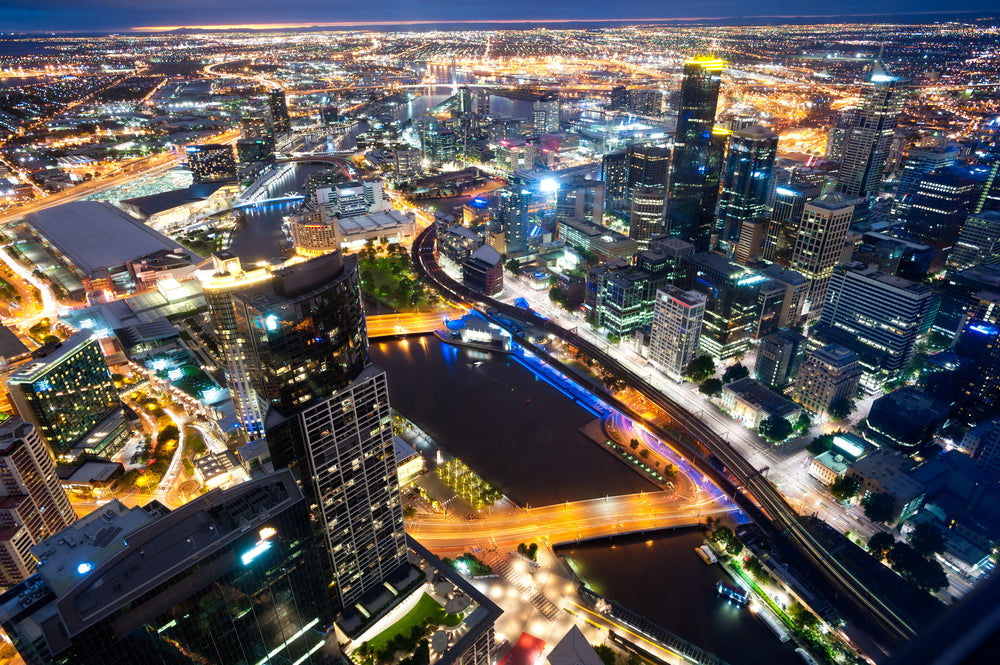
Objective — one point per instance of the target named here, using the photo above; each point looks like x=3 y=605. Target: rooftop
x=50 y=355
x=95 y=235
x=755 y=393
x=147 y=206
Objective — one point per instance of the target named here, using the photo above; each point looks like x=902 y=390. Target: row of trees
x=913 y=560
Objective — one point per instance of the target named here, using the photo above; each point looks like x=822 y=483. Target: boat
x=732 y=594
x=706 y=554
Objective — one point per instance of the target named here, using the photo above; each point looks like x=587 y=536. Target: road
x=387 y=325
x=569 y=521
x=740 y=479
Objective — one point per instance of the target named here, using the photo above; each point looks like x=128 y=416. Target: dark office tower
x=989 y=193
x=249 y=151
x=33 y=504
x=619 y=98
x=234 y=576
x=483 y=102
x=614 y=173
x=579 y=198
x=512 y=214
x=786 y=214
x=697 y=156
x=819 y=243
x=733 y=302
x=329 y=416
x=646 y=213
x=211 y=162
x=981 y=394
x=978 y=242
x=65 y=390
x=648 y=166
x=255 y=128
x=778 y=358
x=943 y=200
x=745 y=182
x=917 y=163
x=870 y=134
x=277 y=105
x=646 y=102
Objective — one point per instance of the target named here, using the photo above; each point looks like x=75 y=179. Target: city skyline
x=65 y=16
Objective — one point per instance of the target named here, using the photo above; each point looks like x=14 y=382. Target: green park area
x=404 y=635
x=387 y=276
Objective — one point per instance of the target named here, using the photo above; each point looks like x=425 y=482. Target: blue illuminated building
x=234 y=576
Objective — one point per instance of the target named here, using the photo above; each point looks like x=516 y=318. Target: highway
x=570 y=521
x=739 y=476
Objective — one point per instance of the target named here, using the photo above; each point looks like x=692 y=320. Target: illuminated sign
x=754 y=279
x=548 y=185
x=84 y=568
x=985 y=329
x=271 y=322
x=263 y=545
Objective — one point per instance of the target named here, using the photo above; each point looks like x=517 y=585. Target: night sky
x=97 y=15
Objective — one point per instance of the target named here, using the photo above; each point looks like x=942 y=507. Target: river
x=476 y=406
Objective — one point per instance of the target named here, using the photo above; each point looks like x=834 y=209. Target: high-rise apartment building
x=512 y=214
x=614 y=174
x=256 y=128
x=546 y=113
x=33 y=504
x=65 y=391
x=869 y=137
x=825 y=376
x=978 y=241
x=234 y=576
x=306 y=348
x=277 y=106
x=786 y=214
x=676 y=329
x=698 y=151
x=211 y=162
x=880 y=317
x=819 y=242
x=746 y=182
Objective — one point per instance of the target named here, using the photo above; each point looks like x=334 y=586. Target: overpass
x=710 y=453
x=572 y=521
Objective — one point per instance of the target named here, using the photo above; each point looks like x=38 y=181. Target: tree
x=775 y=428
x=605 y=653
x=735 y=372
x=880 y=543
x=845 y=489
x=878 y=507
x=840 y=408
x=926 y=539
x=633 y=444
x=513 y=267
x=803 y=422
x=801 y=617
x=724 y=536
x=820 y=444
x=644 y=453
x=908 y=564
x=409 y=512
x=710 y=387
x=700 y=368
x=756 y=568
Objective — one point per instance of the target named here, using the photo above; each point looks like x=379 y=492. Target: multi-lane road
x=570 y=521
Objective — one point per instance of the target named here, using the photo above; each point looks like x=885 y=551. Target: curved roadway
x=728 y=468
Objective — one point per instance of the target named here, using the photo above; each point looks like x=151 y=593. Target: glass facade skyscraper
x=698 y=154
x=746 y=182
x=234 y=576
x=277 y=105
x=65 y=391
x=869 y=137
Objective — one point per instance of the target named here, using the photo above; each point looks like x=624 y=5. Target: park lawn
x=426 y=608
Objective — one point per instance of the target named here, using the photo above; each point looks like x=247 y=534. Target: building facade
x=827 y=375
x=676 y=329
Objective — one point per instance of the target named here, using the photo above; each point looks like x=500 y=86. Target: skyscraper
x=880 y=317
x=329 y=418
x=819 y=242
x=698 y=152
x=978 y=242
x=786 y=215
x=234 y=576
x=211 y=162
x=648 y=166
x=579 y=198
x=646 y=213
x=937 y=211
x=917 y=163
x=676 y=329
x=546 y=113
x=277 y=105
x=827 y=375
x=614 y=174
x=746 y=182
x=512 y=214
x=869 y=137
x=228 y=278
x=33 y=504
x=65 y=391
